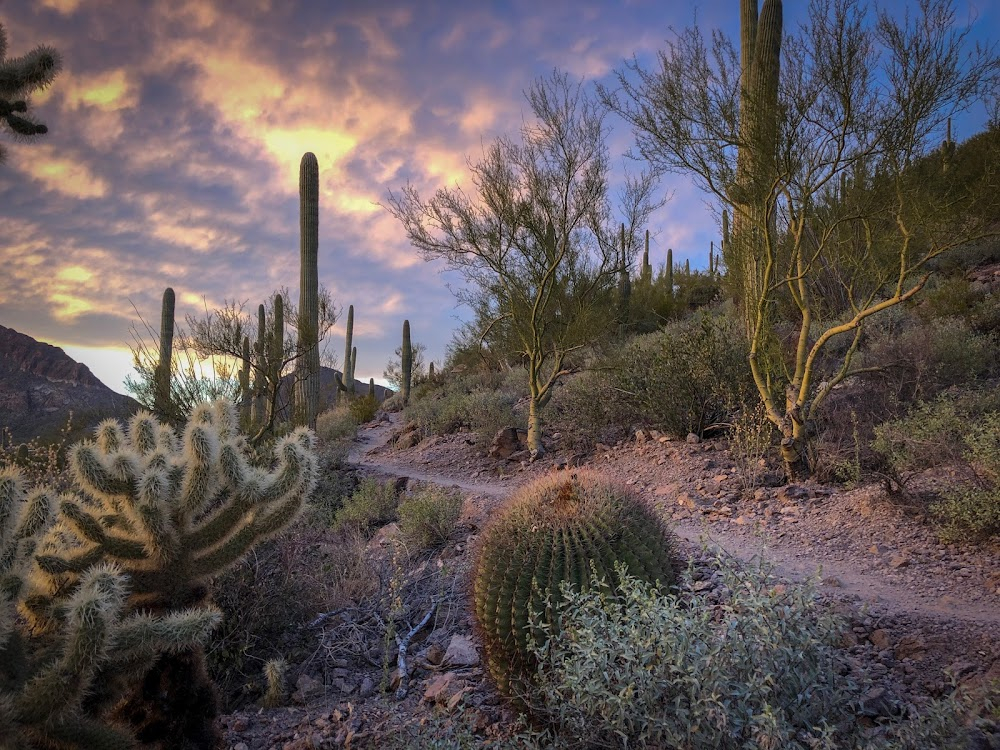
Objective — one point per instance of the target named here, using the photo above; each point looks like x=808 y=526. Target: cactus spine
x=161 y=376
x=307 y=365
x=346 y=382
x=406 y=362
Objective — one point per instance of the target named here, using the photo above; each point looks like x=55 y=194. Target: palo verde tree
x=536 y=238
x=19 y=77
x=813 y=142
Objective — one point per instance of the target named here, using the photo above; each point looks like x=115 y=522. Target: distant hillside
x=40 y=385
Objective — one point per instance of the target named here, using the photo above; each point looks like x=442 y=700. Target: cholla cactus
x=19 y=76
x=41 y=698
x=171 y=514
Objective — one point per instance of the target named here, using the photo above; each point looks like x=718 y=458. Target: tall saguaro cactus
x=259 y=410
x=670 y=271
x=277 y=357
x=647 y=270
x=346 y=383
x=756 y=169
x=307 y=366
x=406 y=362
x=161 y=376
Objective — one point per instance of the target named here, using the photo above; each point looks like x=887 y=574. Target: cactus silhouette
x=406 y=364
x=161 y=398
x=19 y=76
x=557 y=529
x=307 y=365
x=345 y=383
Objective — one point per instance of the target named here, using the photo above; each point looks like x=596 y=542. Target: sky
x=176 y=129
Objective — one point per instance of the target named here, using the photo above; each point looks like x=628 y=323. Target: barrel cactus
x=562 y=528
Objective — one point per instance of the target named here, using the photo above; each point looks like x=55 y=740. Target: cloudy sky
x=176 y=130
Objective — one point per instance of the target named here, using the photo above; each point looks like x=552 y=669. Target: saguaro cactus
x=161 y=376
x=307 y=365
x=259 y=410
x=947 y=150
x=760 y=57
x=246 y=395
x=406 y=363
x=276 y=358
x=371 y=387
x=346 y=382
x=647 y=270
x=670 y=271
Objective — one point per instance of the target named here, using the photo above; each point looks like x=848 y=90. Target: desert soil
x=923 y=615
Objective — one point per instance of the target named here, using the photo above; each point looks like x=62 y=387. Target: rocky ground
x=923 y=615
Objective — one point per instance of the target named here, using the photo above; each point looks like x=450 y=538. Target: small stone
x=879 y=639
x=306 y=688
x=434 y=654
x=241 y=746
x=367 y=688
x=461 y=652
x=641 y=437
x=240 y=725
x=911 y=647
x=792 y=493
x=692 y=439
x=899 y=561
x=438 y=688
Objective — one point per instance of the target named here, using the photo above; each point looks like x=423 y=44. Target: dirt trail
x=911 y=577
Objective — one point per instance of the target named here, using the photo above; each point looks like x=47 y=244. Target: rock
x=899 y=561
x=793 y=493
x=461 y=652
x=879 y=639
x=306 y=688
x=692 y=439
x=877 y=702
x=507 y=442
x=434 y=654
x=910 y=646
x=241 y=746
x=409 y=439
x=641 y=437
x=367 y=688
x=438 y=689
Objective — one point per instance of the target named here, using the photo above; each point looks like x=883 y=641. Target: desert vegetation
x=224 y=552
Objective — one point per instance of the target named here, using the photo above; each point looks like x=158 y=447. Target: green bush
x=686 y=377
x=372 y=506
x=336 y=424
x=427 y=519
x=363 y=409
x=923 y=359
x=959 y=429
x=748 y=665
x=482 y=404
x=585 y=410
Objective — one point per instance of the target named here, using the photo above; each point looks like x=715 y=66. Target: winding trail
x=935 y=595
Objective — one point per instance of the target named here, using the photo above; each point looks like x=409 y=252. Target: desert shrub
x=394 y=403
x=585 y=410
x=363 y=409
x=750 y=438
x=921 y=360
x=336 y=480
x=557 y=529
x=372 y=505
x=964 y=719
x=479 y=403
x=265 y=599
x=427 y=518
x=959 y=429
x=336 y=424
x=686 y=377
x=746 y=664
